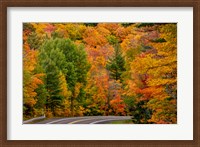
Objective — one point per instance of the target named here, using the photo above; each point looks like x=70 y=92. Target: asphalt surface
x=85 y=120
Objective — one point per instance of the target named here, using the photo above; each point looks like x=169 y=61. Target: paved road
x=85 y=120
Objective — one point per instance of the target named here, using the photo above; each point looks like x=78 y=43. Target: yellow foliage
x=59 y=112
x=31 y=81
x=48 y=114
x=77 y=89
x=64 y=90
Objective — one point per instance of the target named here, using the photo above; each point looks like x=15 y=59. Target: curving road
x=85 y=120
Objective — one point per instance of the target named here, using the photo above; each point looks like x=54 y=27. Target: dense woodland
x=90 y=69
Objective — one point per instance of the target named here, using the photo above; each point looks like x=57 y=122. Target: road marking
x=95 y=122
x=56 y=121
x=61 y=120
x=73 y=122
x=86 y=118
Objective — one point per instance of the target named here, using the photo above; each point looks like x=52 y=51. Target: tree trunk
x=108 y=105
x=72 y=105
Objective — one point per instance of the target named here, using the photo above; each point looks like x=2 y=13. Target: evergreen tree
x=52 y=61
x=63 y=55
x=77 y=67
x=116 y=64
x=53 y=86
x=41 y=91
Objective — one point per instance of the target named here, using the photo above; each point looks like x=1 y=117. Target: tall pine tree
x=52 y=60
x=116 y=64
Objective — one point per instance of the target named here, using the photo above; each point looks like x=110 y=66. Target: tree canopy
x=83 y=69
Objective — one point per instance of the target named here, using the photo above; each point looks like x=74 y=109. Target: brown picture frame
x=4 y=4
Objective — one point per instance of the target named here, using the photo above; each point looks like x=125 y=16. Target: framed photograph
x=99 y=73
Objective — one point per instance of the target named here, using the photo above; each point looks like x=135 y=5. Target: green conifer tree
x=116 y=64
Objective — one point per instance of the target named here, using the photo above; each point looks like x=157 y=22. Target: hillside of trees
x=91 y=69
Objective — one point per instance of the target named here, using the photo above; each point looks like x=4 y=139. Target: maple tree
x=31 y=79
x=155 y=71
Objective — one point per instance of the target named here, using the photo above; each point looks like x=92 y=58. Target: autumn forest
x=101 y=69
